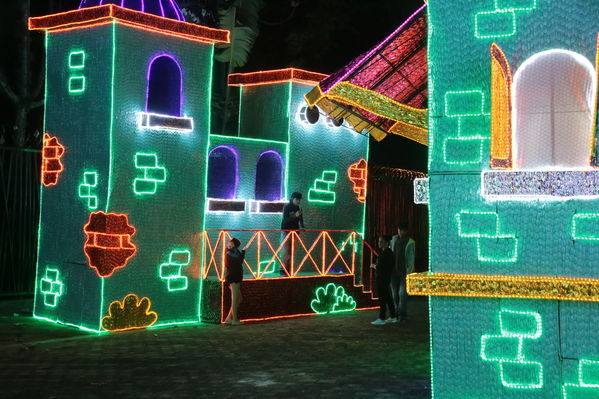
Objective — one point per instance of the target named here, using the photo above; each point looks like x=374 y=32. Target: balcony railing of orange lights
x=311 y=252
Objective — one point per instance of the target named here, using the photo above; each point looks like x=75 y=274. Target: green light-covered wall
x=172 y=217
x=99 y=129
x=472 y=356
x=87 y=148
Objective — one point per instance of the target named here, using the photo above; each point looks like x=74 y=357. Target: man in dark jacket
x=292 y=220
x=384 y=267
x=403 y=248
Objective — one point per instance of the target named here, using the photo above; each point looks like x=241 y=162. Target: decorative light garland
x=499 y=286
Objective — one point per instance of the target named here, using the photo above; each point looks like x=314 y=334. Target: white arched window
x=553 y=99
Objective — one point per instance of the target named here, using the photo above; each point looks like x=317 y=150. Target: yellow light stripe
x=491 y=286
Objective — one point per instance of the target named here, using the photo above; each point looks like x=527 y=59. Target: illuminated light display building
x=513 y=201
x=139 y=198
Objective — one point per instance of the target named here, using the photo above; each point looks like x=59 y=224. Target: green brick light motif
x=502 y=21
x=51 y=287
x=267 y=266
x=467 y=108
x=152 y=174
x=90 y=181
x=492 y=245
x=322 y=189
x=585 y=227
x=506 y=349
x=171 y=271
x=587 y=386
x=76 y=64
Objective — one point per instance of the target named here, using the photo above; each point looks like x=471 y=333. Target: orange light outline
x=125 y=15
x=91 y=24
x=97 y=246
x=274 y=258
x=498 y=58
x=295 y=315
x=339 y=254
x=229 y=238
x=253 y=78
x=59 y=146
x=309 y=254
x=366 y=288
x=104 y=21
x=212 y=255
x=213 y=249
x=276 y=253
x=357 y=190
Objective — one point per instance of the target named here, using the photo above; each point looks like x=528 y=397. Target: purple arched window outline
x=269 y=177
x=164 y=93
x=223 y=174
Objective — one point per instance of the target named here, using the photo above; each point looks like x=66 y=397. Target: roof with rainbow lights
x=384 y=90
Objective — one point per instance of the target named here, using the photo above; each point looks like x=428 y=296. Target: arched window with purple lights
x=222 y=173
x=269 y=177
x=165 y=85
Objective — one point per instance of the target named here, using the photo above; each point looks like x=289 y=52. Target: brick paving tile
x=333 y=356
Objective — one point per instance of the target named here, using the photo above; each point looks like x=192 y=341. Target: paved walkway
x=335 y=356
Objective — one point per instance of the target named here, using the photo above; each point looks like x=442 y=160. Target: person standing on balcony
x=293 y=220
x=233 y=277
x=404 y=250
x=384 y=268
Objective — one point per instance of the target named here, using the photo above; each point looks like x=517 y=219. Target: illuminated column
x=127 y=106
x=513 y=252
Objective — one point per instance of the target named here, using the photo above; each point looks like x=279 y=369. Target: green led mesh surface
x=170 y=219
x=263 y=113
x=319 y=148
x=476 y=236
x=98 y=128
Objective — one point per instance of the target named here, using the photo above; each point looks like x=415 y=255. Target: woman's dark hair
x=385 y=238
x=402 y=226
x=236 y=242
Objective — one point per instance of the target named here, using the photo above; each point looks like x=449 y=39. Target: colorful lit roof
x=110 y=13
x=384 y=90
x=162 y=8
x=275 y=76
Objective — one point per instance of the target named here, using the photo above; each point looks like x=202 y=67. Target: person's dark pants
x=400 y=294
x=385 y=299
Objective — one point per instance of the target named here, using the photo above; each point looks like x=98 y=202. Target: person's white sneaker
x=391 y=320
x=378 y=322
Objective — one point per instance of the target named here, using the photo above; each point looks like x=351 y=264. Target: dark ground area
x=334 y=356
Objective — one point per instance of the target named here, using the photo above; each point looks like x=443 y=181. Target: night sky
x=319 y=36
